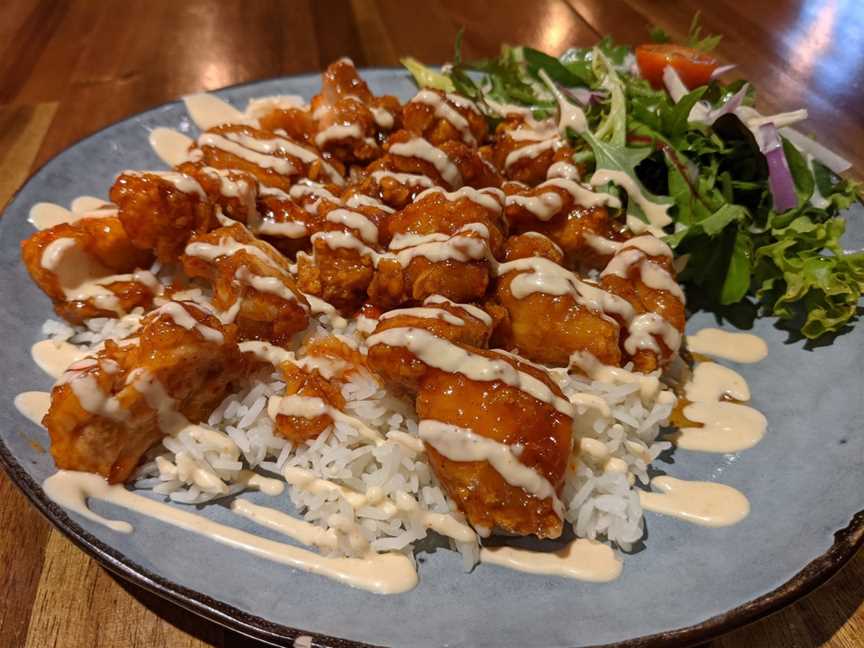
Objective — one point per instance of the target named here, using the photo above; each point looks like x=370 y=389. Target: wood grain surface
x=70 y=68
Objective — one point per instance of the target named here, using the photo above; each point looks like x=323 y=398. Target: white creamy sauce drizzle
x=383 y=118
x=563 y=170
x=653 y=275
x=362 y=200
x=411 y=179
x=532 y=150
x=337 y=132
x=55 y=357
x=726 y=427
x=386 y=573
x=181 y=181
x=208 y=110
x=170 y=145
x=178 y=313
x=703 y=503
x=446 y=356
x=737 y=347
x=45 y=215
x=474 y=311
x=280 y=165
x=543 y=206
x=581 y=559
x=443 y=110
x=656 y=213
x=569 y=114
x=356 y=221
x=310 y=407
x=423 y=150
x=283 y=145
x=490 y=198
x=461 y=444
x=33 y=405
x=424 y=313
x=226 y=247
x=88 y=204
x=270 y=285
x=649 y=244
x=540 y=235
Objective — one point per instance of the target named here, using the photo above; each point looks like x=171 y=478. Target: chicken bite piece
x=551 y=314
x=525 y=151
x=568 y=213
x=498 y=451
x=451 y=164
x=275 y=160
x=232 y=190
x=110 y=408
x=438 y=117
x=75 y=265
x=642 y=273
x=442 y=243
x=350 y=121
x=161 y=210
x=440 y=318
x=252 y=285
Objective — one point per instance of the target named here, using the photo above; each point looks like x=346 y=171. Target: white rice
x=600 y=503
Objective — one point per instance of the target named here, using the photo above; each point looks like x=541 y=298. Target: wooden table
x=69 y=69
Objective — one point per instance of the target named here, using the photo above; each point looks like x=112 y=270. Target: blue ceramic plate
x=805 y=482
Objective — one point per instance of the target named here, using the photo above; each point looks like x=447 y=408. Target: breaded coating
x=275 y=160
x=110 y=408
x=537 y=433
x=234 y=191
x=440 y=117
x=160 y=211
x=252 y=285
x=75 y=265
x=451 y=164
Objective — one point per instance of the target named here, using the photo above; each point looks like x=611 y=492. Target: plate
x=805 y=482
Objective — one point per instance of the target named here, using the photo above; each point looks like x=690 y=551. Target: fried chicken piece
x=464 y=324
x=275 y=160
x=234 y=191
x=550 y=313
x=110 y=408
x=440 y=117
x=394 y=189
x=443 y=244
x=313 y=387
x=252 y=285
x=568 y=213
x=349 y=119
x=292 y=121
x=538 y=435
x=74 y=264
x=452 y=164
x=456 y=267
x=646 y=280
x=524 y=152
x=160 y=210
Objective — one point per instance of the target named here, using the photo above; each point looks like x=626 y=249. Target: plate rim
x=847 y=540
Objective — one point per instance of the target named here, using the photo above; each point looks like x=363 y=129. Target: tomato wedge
x=694 y=67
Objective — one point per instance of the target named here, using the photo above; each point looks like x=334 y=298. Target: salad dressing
x=55 y=357
x=443 y=110
x=656 y=213
x=208 y=111
x=490 y=198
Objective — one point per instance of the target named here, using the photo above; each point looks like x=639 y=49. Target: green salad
x=750 y=205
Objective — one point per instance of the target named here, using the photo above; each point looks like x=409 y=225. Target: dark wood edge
x=817 y=572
